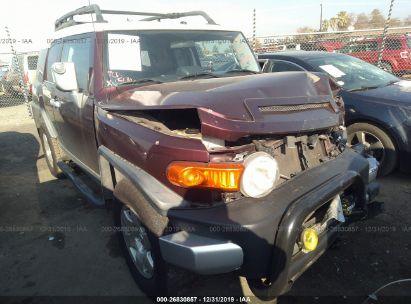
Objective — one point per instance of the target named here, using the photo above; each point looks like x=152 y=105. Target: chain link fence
x=17 y=73
x=389 y=48
x=363 y=44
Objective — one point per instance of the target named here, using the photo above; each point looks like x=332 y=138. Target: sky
x=32 y=22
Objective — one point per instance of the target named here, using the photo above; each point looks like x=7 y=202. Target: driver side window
x=78 y=51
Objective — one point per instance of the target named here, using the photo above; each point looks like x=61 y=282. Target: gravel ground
x=53 y=243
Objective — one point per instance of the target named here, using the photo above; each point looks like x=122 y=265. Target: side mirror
x=64 y=75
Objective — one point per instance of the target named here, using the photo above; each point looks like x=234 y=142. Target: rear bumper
x=266 y=229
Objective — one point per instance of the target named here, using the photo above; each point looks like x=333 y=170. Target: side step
x=92 y=197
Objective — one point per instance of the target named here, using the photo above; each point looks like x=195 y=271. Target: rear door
x=360 y=50
x=49 y=87
x=74 y=111
x=396 y=54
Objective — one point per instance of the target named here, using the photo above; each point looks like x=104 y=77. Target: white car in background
x=26 y=64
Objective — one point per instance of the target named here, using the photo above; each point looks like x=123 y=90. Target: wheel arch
x=115 y=170
x=392 y=62
x=41 y=118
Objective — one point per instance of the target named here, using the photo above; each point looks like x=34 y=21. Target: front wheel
x=141 y=250
x=261 y=289
x=377 y=143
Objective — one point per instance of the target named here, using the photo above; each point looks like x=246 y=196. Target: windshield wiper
x=365 y=88
x=201 y=74
x=391 y=82
x=242 y=71
x=141 y=81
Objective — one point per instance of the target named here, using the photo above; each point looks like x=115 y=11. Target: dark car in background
x=377 y=104
x=396 y=57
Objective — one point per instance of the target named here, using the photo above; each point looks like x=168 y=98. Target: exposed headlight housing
x=260 y=175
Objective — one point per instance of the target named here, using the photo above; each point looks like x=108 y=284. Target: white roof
x=135 y=25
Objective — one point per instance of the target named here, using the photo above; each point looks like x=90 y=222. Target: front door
x=73 y=111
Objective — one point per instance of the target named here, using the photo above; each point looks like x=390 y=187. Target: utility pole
x=384 y=34
x=321 y=17
x=254 y=29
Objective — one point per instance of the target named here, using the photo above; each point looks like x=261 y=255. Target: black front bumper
x=266 y=229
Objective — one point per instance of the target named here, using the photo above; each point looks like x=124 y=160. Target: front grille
x=294 y=108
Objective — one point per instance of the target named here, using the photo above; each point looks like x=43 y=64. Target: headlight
x=260 y=174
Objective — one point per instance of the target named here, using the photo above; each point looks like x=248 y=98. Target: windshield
x=352 y=73
x=164 y=56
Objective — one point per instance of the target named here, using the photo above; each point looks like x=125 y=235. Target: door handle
x=55 y=103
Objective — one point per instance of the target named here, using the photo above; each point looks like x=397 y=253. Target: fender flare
x=114 y=169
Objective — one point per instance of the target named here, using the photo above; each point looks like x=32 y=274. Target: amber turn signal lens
x=224 y=176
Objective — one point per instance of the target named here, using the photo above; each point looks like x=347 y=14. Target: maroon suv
x=396 y=57
x=208 y=164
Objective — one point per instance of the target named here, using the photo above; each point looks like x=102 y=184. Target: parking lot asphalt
x=53 y=243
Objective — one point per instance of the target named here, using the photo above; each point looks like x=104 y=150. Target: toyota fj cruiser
x=208 y=164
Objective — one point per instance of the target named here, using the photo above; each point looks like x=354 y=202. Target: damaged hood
x=233 y=107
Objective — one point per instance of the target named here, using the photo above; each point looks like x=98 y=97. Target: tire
x=52 y=152
x=384 y=149
x=386 y=67
x=261 y=290
x=151 y=276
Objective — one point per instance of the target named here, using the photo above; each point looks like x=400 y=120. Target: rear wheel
x=52 y=153
x=377 y=143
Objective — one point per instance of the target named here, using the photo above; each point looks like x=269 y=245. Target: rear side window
x=283 y=66
x=52 y=57
x=372 y=46
x=409 y=42
x=32 y=62
x=361 y=47
x=393 y=44
x=78 y=52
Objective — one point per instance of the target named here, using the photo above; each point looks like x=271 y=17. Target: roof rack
x=68 y=19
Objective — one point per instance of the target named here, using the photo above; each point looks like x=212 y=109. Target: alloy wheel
x=373 y=145
x=137 y=242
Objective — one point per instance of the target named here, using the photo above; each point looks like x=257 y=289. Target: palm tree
x=343 y=20
x=333 y=23
x=325 y=25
